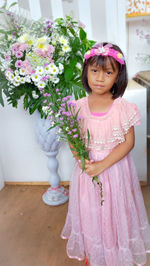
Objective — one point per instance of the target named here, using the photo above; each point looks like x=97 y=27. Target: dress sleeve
x=130 y=116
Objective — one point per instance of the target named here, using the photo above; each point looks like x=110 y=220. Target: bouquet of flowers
x=38 y=56
x=63 y=114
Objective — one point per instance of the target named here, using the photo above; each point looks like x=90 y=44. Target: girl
x=117 y=233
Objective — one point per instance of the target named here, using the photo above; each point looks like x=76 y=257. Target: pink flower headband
x=105 y=50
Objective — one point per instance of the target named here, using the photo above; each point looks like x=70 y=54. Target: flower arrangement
x=63 y=114
x=36 y=57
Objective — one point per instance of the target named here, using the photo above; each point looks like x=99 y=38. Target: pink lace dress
x=117 y=233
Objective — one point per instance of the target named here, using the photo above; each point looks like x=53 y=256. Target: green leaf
x=68 y=74
x=82 y=34
x=88 y=135
x=1 y=98
x=5 y=4
x=83 y=163
x=26 y=103
x=13 y=4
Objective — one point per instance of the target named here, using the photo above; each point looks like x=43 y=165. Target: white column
x=57 y=9
x=35 y=9
x=84 y=7
x=116 y=23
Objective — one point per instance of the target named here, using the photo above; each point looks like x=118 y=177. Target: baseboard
x=62 y=183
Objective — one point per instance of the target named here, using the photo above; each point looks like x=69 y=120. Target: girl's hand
x=94 y=168
x=86 y=162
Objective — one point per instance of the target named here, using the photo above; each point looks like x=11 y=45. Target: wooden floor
x=30 y=230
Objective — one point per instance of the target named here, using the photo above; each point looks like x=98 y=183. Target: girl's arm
x=116 y=155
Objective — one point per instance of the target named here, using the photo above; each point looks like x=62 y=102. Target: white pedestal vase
x=50 y=144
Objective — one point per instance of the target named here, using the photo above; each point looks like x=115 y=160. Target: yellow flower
x=42 y=43
x=119 y=55
x=88 y=52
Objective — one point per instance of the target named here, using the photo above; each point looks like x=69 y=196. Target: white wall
x=137 y=45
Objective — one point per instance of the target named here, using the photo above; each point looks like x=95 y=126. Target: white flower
x=22 y=80
x=47 y=69
x=54 y=42
x=54 y=70
x=45 y=109
x=66 y=48
x=61 y=53
x=16 y=72
x=11 y=77
x=22 y=71
x=61 y=67
x=55 y=80
x=35 y=77
x=16 y=83
x=27 y=78
x=78 y=65
x=41 y=84
x=24 y=38
x=8 y=73
x=39 y=70
x=34 y=95
x=63 y=40
x=17 y=78
x=67 y=128
x=10 y=37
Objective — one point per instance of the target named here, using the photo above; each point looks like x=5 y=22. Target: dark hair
x=120 y=85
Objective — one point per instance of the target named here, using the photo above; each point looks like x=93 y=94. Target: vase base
x=56 y=196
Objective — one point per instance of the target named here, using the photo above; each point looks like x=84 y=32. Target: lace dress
x=117 y=233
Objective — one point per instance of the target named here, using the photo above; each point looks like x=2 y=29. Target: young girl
x=117 y=233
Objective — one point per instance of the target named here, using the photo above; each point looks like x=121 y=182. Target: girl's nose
x=100 y=75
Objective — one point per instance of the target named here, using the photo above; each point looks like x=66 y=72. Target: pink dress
x=117 y=233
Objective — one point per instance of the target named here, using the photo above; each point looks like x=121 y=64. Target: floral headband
x=105 y=50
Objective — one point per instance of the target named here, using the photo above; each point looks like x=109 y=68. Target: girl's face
x=100 y=79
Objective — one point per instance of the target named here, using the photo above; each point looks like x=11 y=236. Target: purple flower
x=45 y=94
x=63 y=104
x=58 y=100
x=7 y=57
x=79 y=117
x=64 y=113
x=68 y=114
x=69 y=133
x=19 y=54
x=64 y=99
x=75 y=136
x=44 y=78
x=74 y=129
x=18 y=64
x=45 y=101
x=61 y=118
x=57 y=89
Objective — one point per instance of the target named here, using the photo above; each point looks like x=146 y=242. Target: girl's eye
x=108 y=72
x=94 y=70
